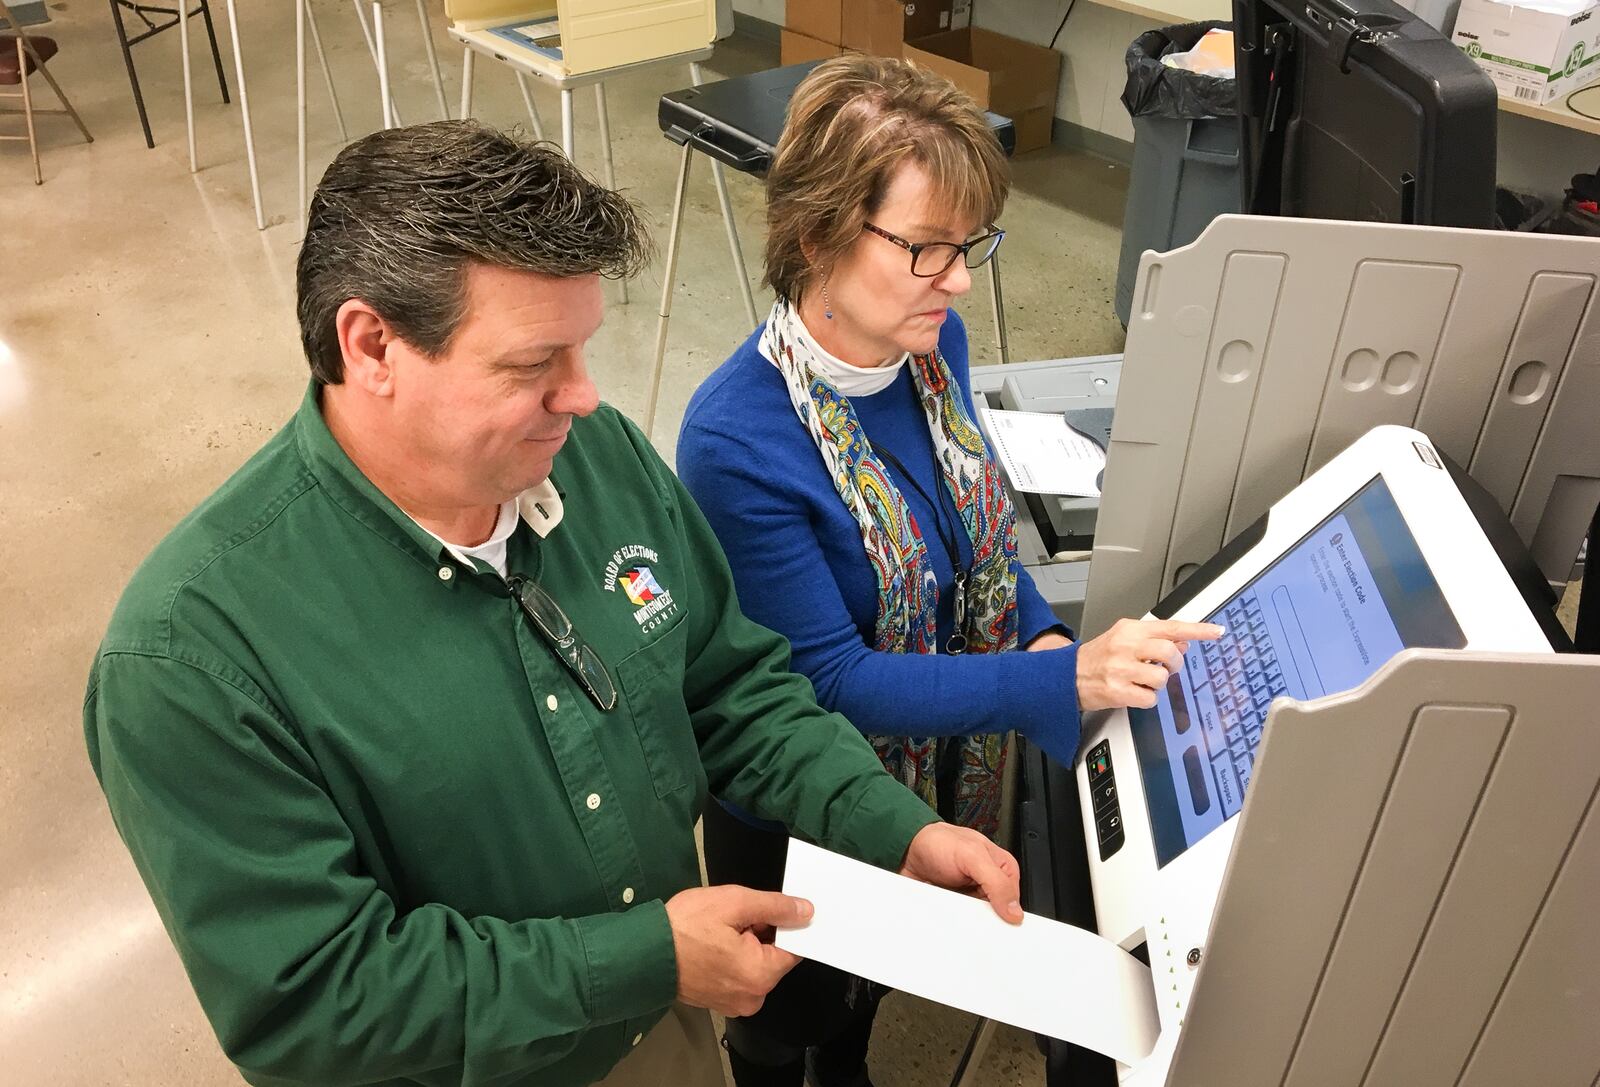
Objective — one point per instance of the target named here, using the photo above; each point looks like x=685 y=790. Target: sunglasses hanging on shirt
x=564 y=641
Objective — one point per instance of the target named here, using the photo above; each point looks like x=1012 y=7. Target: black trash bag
x=1520 y=211
x=1580 y=211
x=1154 y=90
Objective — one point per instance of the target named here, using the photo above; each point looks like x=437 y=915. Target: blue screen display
x=1321 y=619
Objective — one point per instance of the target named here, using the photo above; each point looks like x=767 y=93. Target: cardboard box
x=821 y=20
x=882 y=27
x=796 y=48
x=1005 y=75
x=1532 y=55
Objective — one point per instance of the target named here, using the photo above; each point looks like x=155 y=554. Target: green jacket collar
x=358 y=496
x=352 y=490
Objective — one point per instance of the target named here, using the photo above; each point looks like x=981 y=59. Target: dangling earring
x=827 y=304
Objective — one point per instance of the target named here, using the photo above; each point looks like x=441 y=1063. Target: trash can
x=1185 y=151
x=1579 y=213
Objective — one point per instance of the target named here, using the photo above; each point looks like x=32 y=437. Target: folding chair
x=20 y=57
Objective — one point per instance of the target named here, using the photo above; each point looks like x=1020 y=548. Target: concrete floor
x=148 y=346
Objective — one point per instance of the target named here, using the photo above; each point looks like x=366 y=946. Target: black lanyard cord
x=958 y=637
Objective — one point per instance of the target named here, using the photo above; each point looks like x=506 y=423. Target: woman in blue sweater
x=837 y=459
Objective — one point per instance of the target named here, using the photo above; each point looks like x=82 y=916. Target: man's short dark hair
x=401 y=214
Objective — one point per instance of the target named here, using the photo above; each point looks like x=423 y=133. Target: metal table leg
x=306 y=19
x=721 y=182
x=391 y=118
x=216 y=54
x=27 y=108
x=433 y=58
x=999 y=308
x=466 y=82
x=381 y=58
x=188 y=82
x=533 y=109
x=610 y=167
x=300 y=105
x=244 y=111
x=327 y=72
x=133 y=74
x=669 y=277
x=977 y=1045
x=566 y=121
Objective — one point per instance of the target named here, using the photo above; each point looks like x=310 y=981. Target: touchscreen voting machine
x=571 y=37
x=1376 y=552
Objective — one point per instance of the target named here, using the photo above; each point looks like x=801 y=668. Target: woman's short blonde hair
x=853 y=122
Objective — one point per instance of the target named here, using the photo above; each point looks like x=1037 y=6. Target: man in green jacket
x=408 y=726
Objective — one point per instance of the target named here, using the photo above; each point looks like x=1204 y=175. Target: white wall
x=769 y=10
x=1538 y=157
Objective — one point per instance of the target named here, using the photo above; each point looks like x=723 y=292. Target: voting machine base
x=1430 y=919
x=1243 y=379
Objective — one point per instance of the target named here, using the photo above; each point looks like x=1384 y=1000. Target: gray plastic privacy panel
x=1411 y=895
x=1262 y=350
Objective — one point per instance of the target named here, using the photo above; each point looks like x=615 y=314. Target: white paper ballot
x=1042 y=454
x=1041 y=975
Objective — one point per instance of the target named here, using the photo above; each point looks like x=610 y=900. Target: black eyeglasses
x=929 y=259
x=564 y=640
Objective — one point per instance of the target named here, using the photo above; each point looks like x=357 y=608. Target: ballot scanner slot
x=1084 y=394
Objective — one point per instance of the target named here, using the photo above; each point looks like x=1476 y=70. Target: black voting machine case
x=1357 y=109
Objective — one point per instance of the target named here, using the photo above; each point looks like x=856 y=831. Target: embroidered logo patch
x=652 y=601
x=621 y=559
x=640 y=585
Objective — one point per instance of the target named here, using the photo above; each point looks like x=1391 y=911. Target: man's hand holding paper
x=1040 y=975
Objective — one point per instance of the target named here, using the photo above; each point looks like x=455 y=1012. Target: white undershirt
x=539 y=506
x=849 y=380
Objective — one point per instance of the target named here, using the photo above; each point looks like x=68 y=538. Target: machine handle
x=1201 y=155
x=754 y=161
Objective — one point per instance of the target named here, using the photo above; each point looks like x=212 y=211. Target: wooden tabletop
x=1560 y=113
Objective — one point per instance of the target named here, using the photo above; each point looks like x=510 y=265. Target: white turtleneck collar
x=849 y=380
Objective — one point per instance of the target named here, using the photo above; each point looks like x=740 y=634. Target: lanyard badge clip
x=958 y=639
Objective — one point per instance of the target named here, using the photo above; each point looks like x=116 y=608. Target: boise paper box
x=1535 y=52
